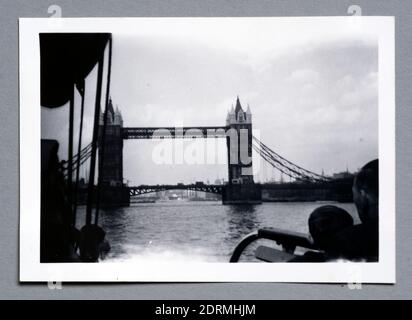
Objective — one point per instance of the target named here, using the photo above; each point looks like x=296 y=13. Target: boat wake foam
x=138 y=254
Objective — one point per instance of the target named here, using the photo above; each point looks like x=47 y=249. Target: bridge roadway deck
x=212 y=188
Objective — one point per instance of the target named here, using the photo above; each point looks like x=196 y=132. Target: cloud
x=303 y=76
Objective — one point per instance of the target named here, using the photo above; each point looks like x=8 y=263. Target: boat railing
x=289 y=240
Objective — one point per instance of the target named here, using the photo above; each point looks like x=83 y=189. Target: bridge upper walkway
x=173 y=132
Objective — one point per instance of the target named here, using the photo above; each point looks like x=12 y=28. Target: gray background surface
x=11 y=10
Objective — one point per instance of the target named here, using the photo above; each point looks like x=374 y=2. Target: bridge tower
x=113 y=192
x=241 y=187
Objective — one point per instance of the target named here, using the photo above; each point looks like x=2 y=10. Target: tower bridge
x=240 y=188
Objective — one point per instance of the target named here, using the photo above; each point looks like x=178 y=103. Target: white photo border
x=31 y=270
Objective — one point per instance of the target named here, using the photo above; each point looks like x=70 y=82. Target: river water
x=195 y=231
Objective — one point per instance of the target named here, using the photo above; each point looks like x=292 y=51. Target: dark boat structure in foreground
x=66 y=59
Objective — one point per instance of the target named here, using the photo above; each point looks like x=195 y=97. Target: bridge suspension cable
x=285 y=166
x=84 y=156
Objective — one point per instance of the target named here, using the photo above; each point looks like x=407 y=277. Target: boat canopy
x=65 y=60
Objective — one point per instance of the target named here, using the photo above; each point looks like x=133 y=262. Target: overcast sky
x=312 y=88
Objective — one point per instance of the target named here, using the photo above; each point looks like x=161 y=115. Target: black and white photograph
x=207 y=149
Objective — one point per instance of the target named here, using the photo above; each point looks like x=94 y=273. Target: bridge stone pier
x=240 y=188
